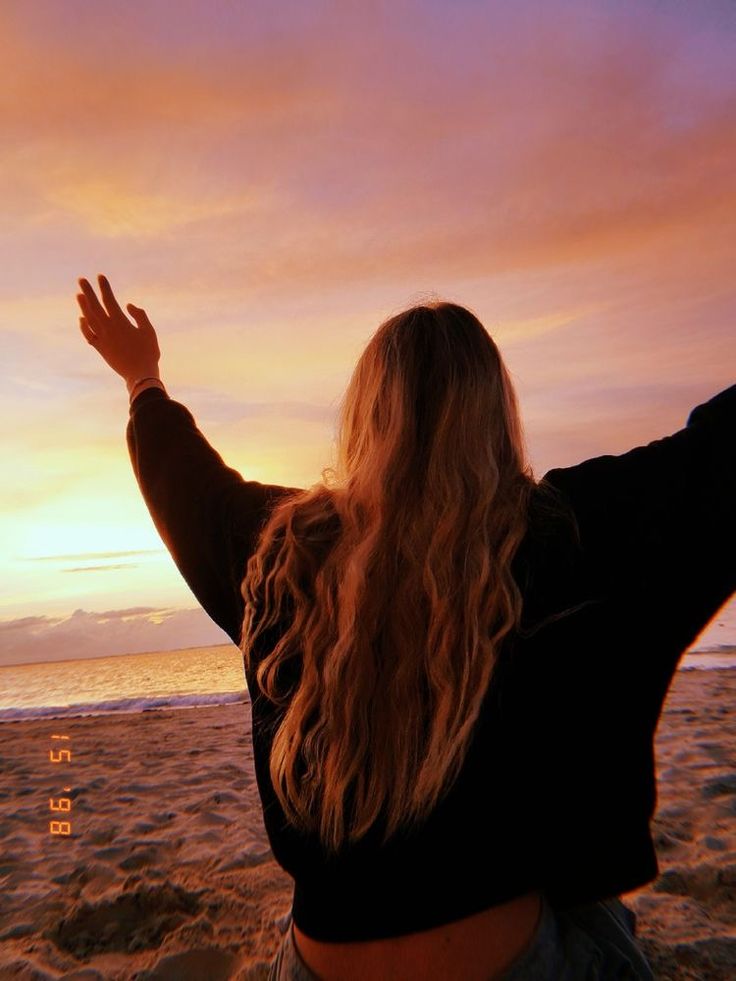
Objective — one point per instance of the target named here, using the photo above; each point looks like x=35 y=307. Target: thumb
x=140 y=316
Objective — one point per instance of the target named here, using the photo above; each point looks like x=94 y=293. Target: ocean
x=183 y=678
x=180 y=679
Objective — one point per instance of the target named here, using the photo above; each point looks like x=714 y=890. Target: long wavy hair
x=392 y=577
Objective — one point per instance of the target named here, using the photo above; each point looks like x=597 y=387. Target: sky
x=271 y=181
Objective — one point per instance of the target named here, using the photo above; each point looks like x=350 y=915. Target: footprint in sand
x=132 y=921
x=718 y=786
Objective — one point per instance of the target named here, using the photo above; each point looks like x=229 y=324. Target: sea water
x=177 y=679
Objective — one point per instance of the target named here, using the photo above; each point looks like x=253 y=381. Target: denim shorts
x=592 y=942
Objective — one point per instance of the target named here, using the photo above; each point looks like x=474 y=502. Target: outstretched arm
x=208 y=517
x=658 y=523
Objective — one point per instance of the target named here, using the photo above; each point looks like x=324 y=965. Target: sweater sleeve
x=207 y=515
x=658 y=523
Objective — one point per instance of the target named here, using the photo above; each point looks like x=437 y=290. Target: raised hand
x=130 y=349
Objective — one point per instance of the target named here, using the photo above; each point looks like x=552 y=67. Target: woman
x=456 y=671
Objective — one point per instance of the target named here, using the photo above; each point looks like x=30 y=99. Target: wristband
x=140 y=381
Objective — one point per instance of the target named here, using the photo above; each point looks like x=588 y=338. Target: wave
x=121 y=706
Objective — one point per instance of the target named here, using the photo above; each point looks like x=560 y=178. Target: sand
x=687 y=916
x=168 y=875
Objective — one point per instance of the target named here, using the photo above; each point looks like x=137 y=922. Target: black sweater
x=558 y=788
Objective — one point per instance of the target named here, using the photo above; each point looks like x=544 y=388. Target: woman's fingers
x=87 y=332
x=91 y=317
x=108 y=297
x=146 y=329
x=141 y=317
x=93 y=305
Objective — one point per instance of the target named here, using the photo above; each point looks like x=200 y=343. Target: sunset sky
x=270 y=181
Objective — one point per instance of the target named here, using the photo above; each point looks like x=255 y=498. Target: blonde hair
x=393 y=576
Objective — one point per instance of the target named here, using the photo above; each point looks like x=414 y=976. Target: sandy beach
x=167 y=873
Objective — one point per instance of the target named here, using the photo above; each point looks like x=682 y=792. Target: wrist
x=133 y=379
x=136 y=386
